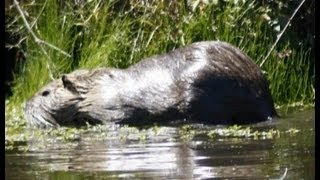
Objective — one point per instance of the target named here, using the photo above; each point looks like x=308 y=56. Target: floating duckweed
x=156 y=129
x=186 y=132
x=238 y=131
x=19 y=136
x=292 y=131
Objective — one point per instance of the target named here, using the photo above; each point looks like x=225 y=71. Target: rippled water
x=165 y=154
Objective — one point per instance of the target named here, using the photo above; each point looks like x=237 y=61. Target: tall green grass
x=113 y=33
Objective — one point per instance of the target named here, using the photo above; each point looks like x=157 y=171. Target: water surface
x=167 y=153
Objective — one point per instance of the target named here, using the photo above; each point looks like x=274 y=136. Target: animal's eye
x=45 y=93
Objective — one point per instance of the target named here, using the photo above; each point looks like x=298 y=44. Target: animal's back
x=231 y=89
x=216 y=81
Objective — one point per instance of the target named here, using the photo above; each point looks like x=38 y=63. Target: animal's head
x=57 y=102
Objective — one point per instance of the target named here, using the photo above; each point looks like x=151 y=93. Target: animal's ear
x=68 y=84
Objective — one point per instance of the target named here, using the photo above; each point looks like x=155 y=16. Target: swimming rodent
x=207 y=82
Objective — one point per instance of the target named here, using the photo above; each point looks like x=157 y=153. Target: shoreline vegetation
x=87 y=34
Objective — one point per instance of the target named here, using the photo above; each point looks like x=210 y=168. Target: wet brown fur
x=209 y=82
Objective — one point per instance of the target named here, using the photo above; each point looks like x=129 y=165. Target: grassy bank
x=101 y=33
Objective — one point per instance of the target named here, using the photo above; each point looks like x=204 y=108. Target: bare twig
x=280 y=35
x=38 y=40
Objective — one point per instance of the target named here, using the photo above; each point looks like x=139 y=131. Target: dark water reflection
x=166 y=155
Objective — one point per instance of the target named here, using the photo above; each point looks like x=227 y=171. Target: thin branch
x=37 y=40
x=25 y=21
x=280 y=35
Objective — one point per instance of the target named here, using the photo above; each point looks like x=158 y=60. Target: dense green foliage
x=120 y=33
